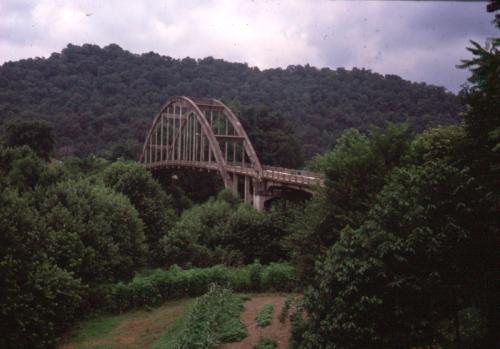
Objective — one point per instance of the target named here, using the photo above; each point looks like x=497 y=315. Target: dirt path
x=276 y=330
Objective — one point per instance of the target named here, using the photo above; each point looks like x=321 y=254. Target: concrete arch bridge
x=205 y=134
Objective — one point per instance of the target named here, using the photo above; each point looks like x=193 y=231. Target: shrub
x=279 y=277
x=161 y=285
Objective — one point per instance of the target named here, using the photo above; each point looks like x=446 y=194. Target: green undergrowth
x=213 y=319
x=161 y=285
x=285 y=309
x=265 y=315
x=265 y=343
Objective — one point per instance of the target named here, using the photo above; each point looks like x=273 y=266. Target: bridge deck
x=277 y=174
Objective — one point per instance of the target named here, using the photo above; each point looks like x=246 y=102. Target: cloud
x=421 y=41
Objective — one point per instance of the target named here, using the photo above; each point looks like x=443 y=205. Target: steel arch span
x=206 y=134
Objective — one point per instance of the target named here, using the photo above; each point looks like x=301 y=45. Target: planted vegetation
x=285 y=309
x=265 y=315
x=265 y=343
x=213 y=319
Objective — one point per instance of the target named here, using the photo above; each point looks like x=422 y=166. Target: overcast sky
x=420 y=41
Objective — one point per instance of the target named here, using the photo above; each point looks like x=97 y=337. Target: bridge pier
x=260 y=195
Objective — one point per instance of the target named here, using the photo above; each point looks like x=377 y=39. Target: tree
x=96 y=232
x=414 y=263
x=355 y=171
x=147 y=196
x=224 y=230
x=35 y=134
x=38 y=298
x=273 y=138
x=482 y=125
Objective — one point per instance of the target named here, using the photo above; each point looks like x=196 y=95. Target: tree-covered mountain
x=102 y=98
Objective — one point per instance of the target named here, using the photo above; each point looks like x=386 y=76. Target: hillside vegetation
x=100 y=99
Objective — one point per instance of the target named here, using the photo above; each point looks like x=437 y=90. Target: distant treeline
x=101 y=100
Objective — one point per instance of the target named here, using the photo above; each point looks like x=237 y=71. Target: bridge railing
x=300 y=177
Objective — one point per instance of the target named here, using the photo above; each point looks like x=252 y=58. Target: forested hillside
x=102 y=98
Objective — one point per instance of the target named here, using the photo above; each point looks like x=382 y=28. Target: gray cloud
x=421 y=41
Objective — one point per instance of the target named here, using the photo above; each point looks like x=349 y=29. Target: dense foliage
x=409 y=258
x=147 y=196
x=224 y=230
x=160 y=285
x=213 y=319
x=101 y=100
x=74 y=233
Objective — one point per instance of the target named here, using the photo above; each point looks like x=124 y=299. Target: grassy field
x=134 y=329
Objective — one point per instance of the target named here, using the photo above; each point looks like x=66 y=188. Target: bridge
x=205 y=134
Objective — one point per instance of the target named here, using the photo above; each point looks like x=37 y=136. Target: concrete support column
x=258 y=202
x=260 y=195
x=235 y=184
x=247 y=196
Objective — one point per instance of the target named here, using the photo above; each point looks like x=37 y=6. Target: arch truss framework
x=206 y=134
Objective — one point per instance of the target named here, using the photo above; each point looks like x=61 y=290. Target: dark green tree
x=38 y=298
x=146 y=194
x=412 y=266
x=273 y=138
x=355 y=171
x=96 y=232
x=35 y=134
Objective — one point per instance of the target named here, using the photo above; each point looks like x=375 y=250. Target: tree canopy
x=102 y=100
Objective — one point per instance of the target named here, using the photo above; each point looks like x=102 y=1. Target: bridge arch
x=206 y=134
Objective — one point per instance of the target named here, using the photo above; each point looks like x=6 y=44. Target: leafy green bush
x=96 y=233
x=147 y=196
x=279 y=277
x=265 y=315
x=224 y=231
x=38 y=299
x=160 y=285
x=265 y=343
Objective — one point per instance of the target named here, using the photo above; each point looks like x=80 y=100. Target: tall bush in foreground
x=96 y=232
x=147 y=196
x=38 y=299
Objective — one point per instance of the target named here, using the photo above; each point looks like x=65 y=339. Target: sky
x=420 y=41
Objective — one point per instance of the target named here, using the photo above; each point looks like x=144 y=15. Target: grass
x=135 y=329
x=96 y=328
x=265 y=315
x=265 y=343
x=172 y=335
